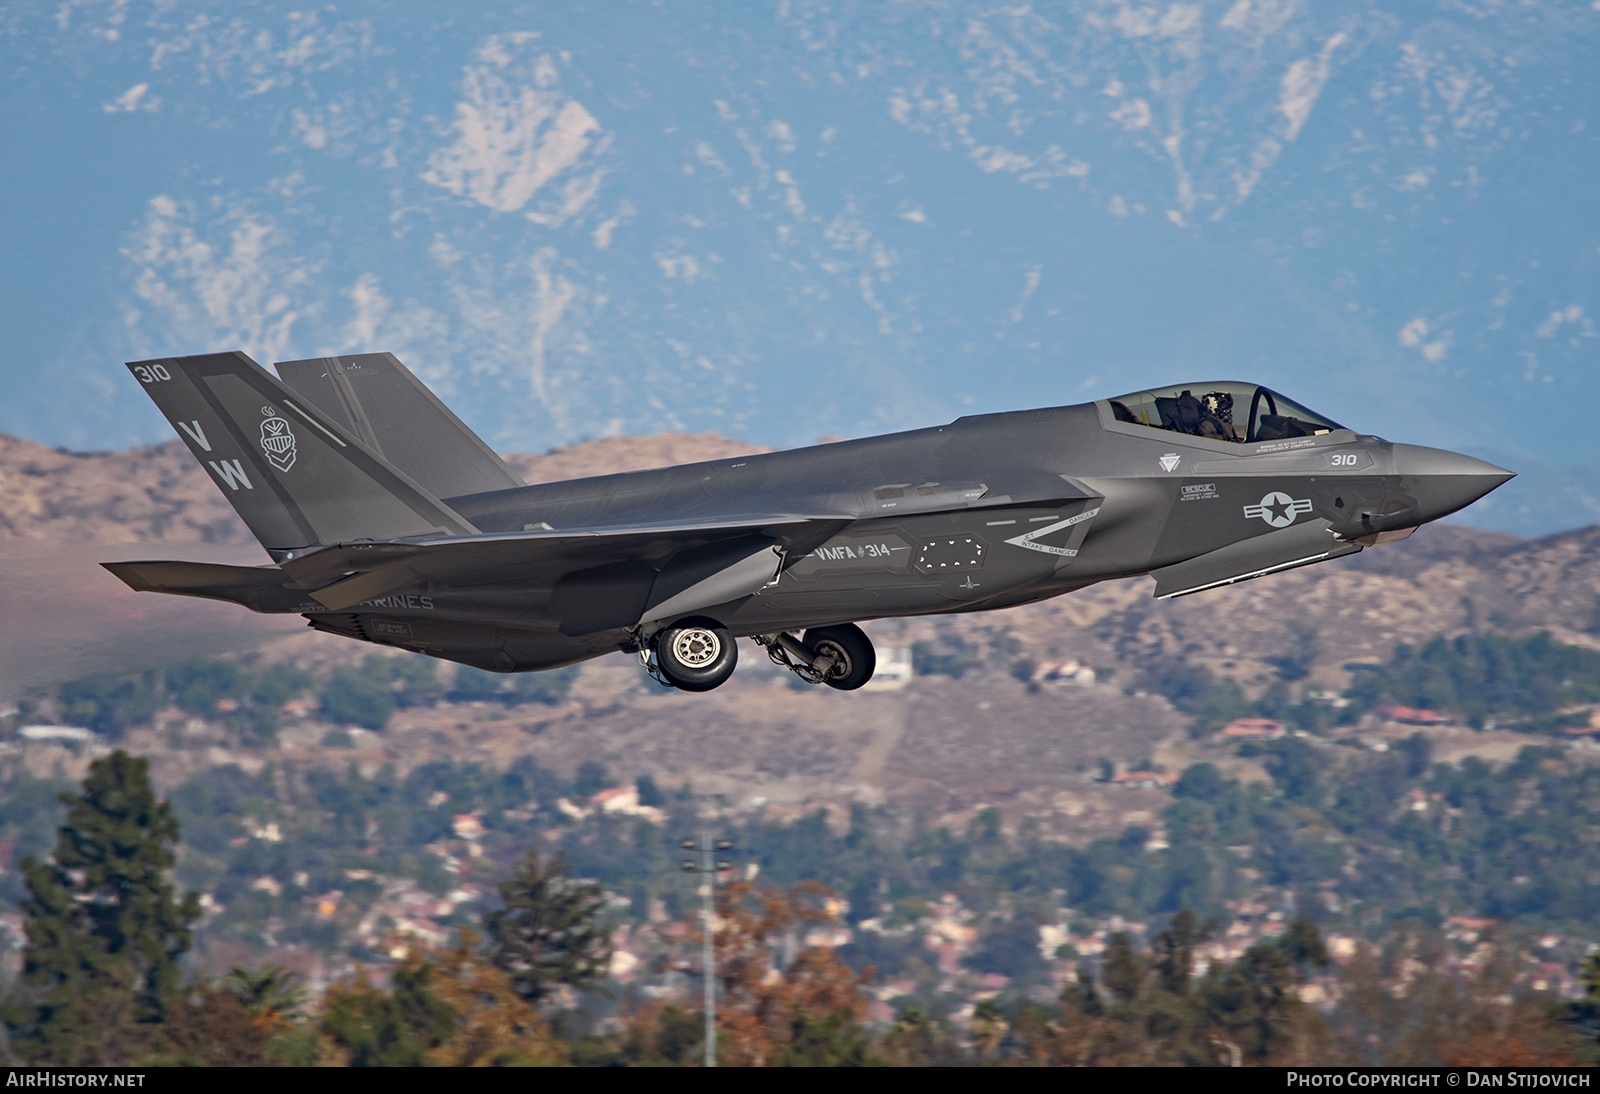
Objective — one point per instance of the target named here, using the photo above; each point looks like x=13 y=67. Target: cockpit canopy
x=1225 y=411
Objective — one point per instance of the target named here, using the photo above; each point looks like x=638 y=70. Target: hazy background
x=786 y=220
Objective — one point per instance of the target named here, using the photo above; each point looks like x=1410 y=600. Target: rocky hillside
x=62 y=513
x=758 y=740
x=159 y=494
x=1446 y=579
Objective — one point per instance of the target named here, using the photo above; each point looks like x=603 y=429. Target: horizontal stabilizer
x=259 y=588
x=1285 y=549
x=379 y=400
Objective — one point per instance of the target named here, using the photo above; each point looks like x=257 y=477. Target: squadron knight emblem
x=276 y=440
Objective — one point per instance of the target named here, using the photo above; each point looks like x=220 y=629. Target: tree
x=104 y=928
x=1253 y=1002
x=834 y=1040
x=550 y=930
x=989 y=1028
x=1174 y=950
x=269 y=993
x=448 y=1008
x=494 y=1026
x=211 y=1027
x=915 y=1040
x=108 y=704
x=357 y=698
x=1302 y=944
x=272 y=999
x=397 y=1028
x=808 y=1013
x=649 y=792
x=1123 y=971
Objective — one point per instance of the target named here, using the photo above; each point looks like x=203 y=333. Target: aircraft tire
x=696 y=654
x=851 y=645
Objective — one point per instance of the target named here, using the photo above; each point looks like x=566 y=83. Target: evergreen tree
x=104 y=929
x=836 y=1040
x=550 y=930
x=915 y=1040
x=1123 y=971
x=1584 y=1014
x=1082 y=997
x=357 y=698
x=1253 y=1001
x=1302 y=944
x=1174 y=950
x=388 y=1029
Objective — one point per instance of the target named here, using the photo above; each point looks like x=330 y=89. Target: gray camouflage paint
x=983 y=513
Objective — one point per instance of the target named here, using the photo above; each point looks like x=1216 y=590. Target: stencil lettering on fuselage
x=856 y=552
x=1067 y=533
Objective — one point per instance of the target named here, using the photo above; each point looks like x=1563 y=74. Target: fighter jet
x=387 y=520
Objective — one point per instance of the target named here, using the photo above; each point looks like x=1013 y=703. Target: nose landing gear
x=841 y=657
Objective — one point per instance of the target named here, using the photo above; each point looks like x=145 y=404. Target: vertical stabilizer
x=297 y=478
x=378 y=399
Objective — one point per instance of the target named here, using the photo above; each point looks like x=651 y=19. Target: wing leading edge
x=699 y=564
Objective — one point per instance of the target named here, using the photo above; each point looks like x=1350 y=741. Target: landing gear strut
x=695 y=654
x=841 y=657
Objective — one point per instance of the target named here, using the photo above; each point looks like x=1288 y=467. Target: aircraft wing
x=346 y=574
x=343 y=575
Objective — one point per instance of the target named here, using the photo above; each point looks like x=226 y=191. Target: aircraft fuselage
x=884 y=541
x=390 y=521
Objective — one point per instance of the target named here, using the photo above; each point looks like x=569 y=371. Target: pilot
x=1217 y=416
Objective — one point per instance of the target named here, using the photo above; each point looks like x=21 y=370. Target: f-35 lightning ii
x=389 y=521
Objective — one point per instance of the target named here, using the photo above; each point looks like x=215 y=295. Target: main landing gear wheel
x=854 y=658
x=696 y=654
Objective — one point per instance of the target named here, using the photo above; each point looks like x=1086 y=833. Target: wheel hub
x=841 y=659
x=696 y=647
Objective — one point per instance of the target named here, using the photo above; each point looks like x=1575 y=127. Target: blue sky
x=784 y=221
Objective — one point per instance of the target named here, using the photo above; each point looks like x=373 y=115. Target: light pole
x=705 y=864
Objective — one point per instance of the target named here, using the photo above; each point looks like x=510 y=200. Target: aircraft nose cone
x=1443 y=481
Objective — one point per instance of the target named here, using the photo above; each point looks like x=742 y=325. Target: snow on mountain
x=802 y=218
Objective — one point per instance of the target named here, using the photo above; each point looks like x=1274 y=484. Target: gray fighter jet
x=389 y=521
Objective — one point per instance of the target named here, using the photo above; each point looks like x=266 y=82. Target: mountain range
x=790 y=219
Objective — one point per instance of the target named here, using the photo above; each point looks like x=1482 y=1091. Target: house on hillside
x=1068 y=673
x=624 y=801
x=893 y=671
x=1145 y=780
x=57 y=734
x=1254 y=729
x=1414 y=716
x=468 y=826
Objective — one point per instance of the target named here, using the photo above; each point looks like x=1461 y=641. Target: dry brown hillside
x=945 y=745
x=1446 y=579
x=160 y=494
x=142 y=495
x=62 y=513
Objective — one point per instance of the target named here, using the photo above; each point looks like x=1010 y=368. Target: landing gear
x=695 y=654
x=841 y=657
